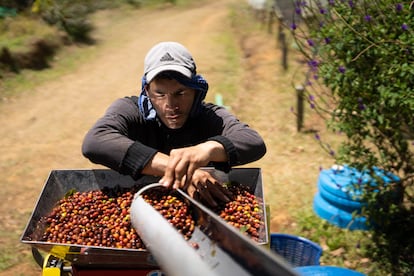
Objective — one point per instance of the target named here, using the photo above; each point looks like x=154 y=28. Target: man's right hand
x=205 y=188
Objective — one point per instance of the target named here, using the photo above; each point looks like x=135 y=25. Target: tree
x=360 y=77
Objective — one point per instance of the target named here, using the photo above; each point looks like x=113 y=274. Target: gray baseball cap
x=168 y=56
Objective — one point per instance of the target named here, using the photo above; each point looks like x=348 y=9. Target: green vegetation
x=17 y=32
x=360 y=81
x=341 y=247
x=360 y=78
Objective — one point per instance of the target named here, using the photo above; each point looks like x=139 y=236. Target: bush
x=26 y=42
x=360 y=57
x=70 y=16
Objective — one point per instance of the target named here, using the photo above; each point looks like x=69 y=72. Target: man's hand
x=183 y=162
x=181 y=169
x=204 y=187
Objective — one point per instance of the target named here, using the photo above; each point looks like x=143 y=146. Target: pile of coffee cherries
x=102 y=218
x=173 y=209
x=93 y=218
x=244 y=212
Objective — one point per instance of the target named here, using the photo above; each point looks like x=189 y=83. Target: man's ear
x=146 y=88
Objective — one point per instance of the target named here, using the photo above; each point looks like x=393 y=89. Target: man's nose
x=172 y=101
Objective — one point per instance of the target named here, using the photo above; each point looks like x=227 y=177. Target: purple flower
x=322 y=11
x=317 y=137
x=399 y=7
x=310 y=42
x=332 y=152
x=351 y=3
x=315 y=77
x=404 y=27
x=293 y=26
x=341 y=69
x=312 y=101
x=298 y=10
x=367 y=18
x=361 y=105
x=327 y=40
x=313 y=64
x=331 y=2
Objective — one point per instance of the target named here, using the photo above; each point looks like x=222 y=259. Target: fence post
x=282 y=41
x=272 y=15
x=300 y=94
x=284 y=51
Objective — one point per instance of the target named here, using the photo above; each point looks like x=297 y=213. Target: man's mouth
x=173 y=116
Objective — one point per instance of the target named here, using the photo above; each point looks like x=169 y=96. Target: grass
x=342 y=247
x=65 y=61
x=229 y=72
x=18 y=32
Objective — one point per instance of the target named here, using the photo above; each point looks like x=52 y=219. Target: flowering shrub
x=360 y=57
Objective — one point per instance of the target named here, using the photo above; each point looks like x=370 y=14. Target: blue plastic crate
x=296 y=250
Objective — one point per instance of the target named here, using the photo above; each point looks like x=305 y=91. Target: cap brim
x=180 y=69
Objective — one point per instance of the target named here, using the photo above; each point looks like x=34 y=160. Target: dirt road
x=44 y=130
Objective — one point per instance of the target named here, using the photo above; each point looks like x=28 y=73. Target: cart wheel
x=38 y=257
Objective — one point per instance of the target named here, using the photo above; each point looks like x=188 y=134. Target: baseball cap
x=168 y=56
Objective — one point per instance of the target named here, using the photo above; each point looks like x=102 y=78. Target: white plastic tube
x=171 y=251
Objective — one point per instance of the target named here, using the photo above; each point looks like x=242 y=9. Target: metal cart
x=223 y=250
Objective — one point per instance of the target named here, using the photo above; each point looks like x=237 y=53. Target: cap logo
x=167 y=57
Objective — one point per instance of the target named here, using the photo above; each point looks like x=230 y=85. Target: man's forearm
x=157 y=165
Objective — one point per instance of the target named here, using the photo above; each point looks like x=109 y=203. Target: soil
x=43 y=129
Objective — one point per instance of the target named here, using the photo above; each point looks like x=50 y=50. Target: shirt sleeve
x=109 y=141
x=242 y=143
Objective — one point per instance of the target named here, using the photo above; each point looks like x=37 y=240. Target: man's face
x=172 y=101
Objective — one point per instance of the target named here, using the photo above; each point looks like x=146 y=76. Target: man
x=168 y=131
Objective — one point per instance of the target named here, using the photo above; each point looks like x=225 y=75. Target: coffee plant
x=360 y=78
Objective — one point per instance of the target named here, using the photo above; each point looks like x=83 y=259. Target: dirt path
x=44 y=131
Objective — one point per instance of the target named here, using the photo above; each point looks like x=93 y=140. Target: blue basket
x=297 y=251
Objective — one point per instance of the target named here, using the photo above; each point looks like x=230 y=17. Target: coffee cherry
x=244 y=212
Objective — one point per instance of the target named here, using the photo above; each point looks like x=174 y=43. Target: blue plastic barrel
x=347 y=204
x=347 y=182
x=337 y=216
x=339 y=195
